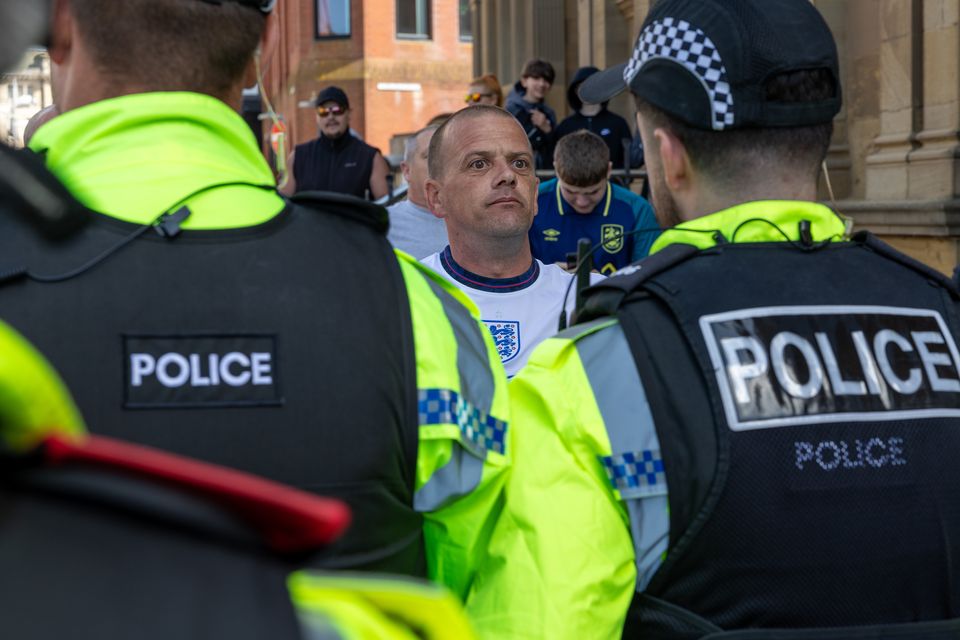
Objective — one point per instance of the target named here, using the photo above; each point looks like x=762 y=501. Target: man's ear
x=61 y=32
x=609 y=169
x=405 y=170
x=674 y=160
x=431 y=189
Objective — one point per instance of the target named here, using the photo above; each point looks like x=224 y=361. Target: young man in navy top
x=582 y=203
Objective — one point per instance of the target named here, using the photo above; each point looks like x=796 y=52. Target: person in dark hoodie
x=526 y=103
x=595 y=118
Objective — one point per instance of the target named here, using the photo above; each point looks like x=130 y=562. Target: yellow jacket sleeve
x=464 y=419
x=33 y=400
x=561 y=559
x=369 y=607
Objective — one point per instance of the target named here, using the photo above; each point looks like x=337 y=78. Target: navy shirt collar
x=483 y=283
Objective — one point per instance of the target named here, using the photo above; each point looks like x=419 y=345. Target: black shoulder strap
x=346 y=206
x=30 y=190
x=880 y=247
x=605 y=297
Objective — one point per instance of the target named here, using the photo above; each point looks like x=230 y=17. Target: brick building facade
x=402 y=63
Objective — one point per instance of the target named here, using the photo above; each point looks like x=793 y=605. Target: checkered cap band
x=683 y=43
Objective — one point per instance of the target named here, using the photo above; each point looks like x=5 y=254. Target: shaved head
x=437 y=160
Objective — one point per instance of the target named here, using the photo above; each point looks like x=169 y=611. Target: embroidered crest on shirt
x=506 y=337
x=612 y=237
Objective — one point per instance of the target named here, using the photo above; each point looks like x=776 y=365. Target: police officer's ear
x=61 y=33
x=263 y=55
x=674 y=160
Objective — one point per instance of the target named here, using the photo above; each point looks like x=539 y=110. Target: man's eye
x=521 y=164
x=478 y=164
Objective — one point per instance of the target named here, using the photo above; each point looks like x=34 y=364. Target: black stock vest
x=807 y=404
x=343 y=165
x=283 y=349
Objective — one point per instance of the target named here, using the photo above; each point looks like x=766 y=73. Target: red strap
x=289 y=520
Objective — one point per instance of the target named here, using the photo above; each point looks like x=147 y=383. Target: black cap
x=333 y=94
x=707 y=62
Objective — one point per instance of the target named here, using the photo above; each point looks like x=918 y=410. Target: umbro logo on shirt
x=551 y=235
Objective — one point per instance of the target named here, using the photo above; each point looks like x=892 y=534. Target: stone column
x=933 y=168
x=901 y=76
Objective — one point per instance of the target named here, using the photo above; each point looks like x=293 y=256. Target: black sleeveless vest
x=343 y=165
x=810 y=453
x=284 y=349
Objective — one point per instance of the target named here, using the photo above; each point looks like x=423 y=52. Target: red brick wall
x=372 y=55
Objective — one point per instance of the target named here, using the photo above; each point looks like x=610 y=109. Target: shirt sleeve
x=561 y=561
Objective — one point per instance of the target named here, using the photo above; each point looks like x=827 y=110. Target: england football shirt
x=520 y=312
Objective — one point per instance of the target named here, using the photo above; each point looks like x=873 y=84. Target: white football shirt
x=520 y=312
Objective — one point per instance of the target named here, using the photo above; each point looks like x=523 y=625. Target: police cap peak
x=707 y=63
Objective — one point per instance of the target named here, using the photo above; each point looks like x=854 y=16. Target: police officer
x=201 y=313
x=756 y=428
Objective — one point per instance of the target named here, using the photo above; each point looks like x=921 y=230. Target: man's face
x=537 y=88
x=333 y=119
x=583 y=199
x=415 y=169
x=664 y=206
x=488 y=189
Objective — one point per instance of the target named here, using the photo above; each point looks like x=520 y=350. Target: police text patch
x=780 y=366
x=169 y=372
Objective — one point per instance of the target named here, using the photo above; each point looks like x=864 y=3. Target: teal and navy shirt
x=557 y=228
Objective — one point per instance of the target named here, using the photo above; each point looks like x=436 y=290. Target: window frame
x=428 y=7
x=337 y=36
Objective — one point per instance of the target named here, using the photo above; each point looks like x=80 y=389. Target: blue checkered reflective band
x=482 y=431
x=635 y=470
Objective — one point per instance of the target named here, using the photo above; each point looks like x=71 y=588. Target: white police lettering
x=784 y=372
x=738 y=371
x=175 y=370
x=779 y=366
x=875 y=453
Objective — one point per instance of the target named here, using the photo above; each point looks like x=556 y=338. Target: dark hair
x=170 y=45
x=724 y=155
x=581 y=159
x=435 y=166
x=538 y=68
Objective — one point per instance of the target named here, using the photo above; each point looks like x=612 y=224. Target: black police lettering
x=873 y=453
x=184 y=371
x=779 y=366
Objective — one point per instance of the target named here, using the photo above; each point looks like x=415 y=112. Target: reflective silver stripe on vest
x=633 y=467
x=456 y=479
x=476 y=379
x=481 y=431
x=316 y=626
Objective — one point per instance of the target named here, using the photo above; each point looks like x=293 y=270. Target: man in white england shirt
x=483 y=185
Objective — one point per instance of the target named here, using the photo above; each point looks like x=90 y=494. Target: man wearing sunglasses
x=336 y=160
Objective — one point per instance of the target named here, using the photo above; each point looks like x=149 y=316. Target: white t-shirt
x=520 y=312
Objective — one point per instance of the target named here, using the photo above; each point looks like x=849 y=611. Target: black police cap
x=707 y=63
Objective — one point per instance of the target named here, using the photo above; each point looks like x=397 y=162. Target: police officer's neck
x=707 y=198
x=492 y=258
